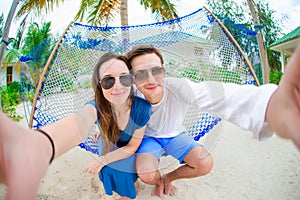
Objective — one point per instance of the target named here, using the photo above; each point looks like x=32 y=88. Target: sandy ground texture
x=244 y=168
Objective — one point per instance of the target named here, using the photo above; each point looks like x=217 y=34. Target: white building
x=8 y=74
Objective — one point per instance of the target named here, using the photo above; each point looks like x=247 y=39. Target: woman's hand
x=24 y=159
x=95 y=137
x=96 y=166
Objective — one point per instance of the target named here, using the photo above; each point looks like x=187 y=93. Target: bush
x=275 y=76
x=10 y=99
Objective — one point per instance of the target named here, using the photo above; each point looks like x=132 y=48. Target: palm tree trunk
x=124 y=22
x=124 y=13
x=261 y=45
x=9 y=19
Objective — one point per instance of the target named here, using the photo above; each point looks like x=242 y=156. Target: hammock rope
x=197 y=46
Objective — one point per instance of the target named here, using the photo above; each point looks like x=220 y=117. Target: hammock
x=196 y=46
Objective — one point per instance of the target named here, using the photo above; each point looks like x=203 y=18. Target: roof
x=291 y=35
x=287 y=43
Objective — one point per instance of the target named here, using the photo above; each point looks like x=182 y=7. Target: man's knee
x=205 y=165
x=201 y=160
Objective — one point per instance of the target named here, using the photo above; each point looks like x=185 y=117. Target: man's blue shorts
x=178 y=146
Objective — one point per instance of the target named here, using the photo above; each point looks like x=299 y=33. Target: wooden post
x=261 y=45
x=236 y=44
x=42 y=77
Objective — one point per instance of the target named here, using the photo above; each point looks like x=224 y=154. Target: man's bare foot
x=168 y=186
x=158 y=190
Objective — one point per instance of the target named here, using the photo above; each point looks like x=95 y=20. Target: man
x=170 y=98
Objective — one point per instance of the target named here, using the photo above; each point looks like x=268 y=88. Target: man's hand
x=283 y=113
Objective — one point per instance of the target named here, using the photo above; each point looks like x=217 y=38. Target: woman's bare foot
x=123 y=198
x=136 y=185
x=24 y=159
x=158 y=190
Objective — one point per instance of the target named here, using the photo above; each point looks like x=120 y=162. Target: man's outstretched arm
x=283 y=112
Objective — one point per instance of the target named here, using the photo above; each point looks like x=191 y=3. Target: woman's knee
x=147 y=177
x=146 y=166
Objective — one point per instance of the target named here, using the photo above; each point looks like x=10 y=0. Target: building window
x=198 y=51
x=9 y=71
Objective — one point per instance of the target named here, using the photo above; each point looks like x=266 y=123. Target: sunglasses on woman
x=109 y=81
x=142 y=75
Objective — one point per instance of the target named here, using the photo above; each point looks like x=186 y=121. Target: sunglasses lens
x=141 y=75
x=157 y=71
x=107 y=82
x=126 y=80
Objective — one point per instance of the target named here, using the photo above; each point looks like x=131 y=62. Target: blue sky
x=61 y=17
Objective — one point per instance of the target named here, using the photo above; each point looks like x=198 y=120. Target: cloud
x=290 y=10
x=295 y=2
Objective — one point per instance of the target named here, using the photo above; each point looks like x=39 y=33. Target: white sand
x=244 y=168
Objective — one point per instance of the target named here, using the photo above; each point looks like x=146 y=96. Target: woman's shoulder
x=141 y=107
x=92 y=102
x=140 y=111
x=138 y=101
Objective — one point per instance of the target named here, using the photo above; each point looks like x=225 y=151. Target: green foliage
x=31 y=52
x=236 y=17
x=210 y=73
x=192 y=73
x=102 y=13
x=258 y=72
x=67 y=83
x=10 y=99
x=228 y=76
x=43 y=197
x=27 y=91
x=275 y=76
x=1 y=25
x=35 y=36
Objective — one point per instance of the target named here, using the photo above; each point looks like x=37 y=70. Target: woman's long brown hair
x=109 y=129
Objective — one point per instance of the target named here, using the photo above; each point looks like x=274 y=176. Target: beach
x=244 y=168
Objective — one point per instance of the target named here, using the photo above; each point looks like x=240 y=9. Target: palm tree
x=7 y=28
x=99 y=12
x=32 y=55
x=1 y=24
x=102 y=12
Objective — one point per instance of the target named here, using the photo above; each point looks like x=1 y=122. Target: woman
x=122 y=118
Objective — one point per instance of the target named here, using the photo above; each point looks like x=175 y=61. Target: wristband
x=52 y=144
